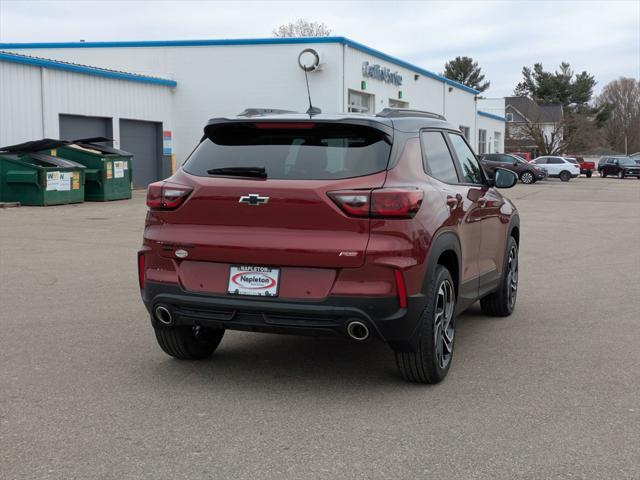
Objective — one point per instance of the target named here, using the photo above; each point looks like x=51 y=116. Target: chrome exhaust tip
x=358 y=331
x=163 y=315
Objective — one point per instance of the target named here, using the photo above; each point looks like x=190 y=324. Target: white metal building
x=51 y=99
x=491 y=125
x=191 y=81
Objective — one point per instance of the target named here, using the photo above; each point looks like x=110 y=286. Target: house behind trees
x=531 y=127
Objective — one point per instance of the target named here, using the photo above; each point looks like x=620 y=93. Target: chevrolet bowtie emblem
x=254 y=199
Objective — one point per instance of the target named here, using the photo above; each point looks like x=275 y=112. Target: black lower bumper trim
x=328 y=317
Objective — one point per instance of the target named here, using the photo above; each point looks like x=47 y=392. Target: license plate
x=256 y=281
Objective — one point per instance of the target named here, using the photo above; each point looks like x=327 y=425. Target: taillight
x=166 y=196
x=352 y=202
x=395 y=202
x=141 y=272
x=379 y=203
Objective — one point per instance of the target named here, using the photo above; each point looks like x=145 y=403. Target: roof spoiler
x=252 y=112
x=407 y=112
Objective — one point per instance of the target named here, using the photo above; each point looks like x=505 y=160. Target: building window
x=482 y=141
x=393 y=103
x=360 y=102
x=509 y=117
x=497 y=141
x=465 y=131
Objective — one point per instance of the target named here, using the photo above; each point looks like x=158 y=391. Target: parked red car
x=586 y=168
x=524 y=155
x=358 y=226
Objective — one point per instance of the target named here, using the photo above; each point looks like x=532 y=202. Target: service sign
x=257 y=281
x=381 y=73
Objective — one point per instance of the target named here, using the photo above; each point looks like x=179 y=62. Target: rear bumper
x=397 y=326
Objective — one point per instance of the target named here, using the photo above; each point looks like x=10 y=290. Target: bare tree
x=620 y=100
x=302 y=28
x=575 y=132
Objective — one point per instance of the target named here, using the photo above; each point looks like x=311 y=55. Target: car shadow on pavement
x=269 y=361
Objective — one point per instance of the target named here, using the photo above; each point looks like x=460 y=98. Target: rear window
x=296 y=151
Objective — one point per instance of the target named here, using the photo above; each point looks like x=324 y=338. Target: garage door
x=73 y=127
x=144 y=140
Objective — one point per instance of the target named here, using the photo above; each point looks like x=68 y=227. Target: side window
x=439 y=163
x=555 y=160
x=506 y=159
x=467 y=161
x=540 y=161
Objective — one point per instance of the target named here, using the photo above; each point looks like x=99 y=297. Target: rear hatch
x=286 y=219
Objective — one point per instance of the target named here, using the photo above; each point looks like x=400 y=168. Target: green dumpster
x=108 y=173
x=38 y=179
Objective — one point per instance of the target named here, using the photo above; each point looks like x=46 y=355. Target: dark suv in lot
x=620 y=167
x=526 y=171
x=351 y=225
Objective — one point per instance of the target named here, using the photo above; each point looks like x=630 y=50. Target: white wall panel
x=460 y=109
x=492 y=126
x=20 y=103
x=32 y=98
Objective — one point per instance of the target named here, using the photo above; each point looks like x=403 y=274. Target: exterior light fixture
x=309 y=60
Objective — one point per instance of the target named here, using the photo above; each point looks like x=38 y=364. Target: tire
x=502 y=302
x=527 y=178
x=589 y=173
x=565 y=176
x=432 y=359
x=603 y=174
x=620 y=174
x=188 y=343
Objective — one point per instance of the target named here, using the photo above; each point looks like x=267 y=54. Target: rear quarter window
x=305 y=151
x=438 y=160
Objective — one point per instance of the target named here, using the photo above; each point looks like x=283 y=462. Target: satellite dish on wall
x=309 y=60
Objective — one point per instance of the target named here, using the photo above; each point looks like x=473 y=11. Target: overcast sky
x=602 y=37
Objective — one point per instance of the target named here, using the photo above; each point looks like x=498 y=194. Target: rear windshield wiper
x=258 y=172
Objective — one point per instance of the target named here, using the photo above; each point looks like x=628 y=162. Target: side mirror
x=515 y=163
x=504 y=178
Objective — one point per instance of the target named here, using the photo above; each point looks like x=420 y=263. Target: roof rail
x=407 y=112
x=251 y=112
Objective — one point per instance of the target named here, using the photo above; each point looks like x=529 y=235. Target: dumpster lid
x=35 y=145
x=95 y=143
x=55 y=161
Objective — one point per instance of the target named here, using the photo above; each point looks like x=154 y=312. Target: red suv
x=353 y=225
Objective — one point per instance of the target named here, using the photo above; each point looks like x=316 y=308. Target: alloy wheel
x=512 y=276
x=526 y=177
x=443 y=321
x=620 y=174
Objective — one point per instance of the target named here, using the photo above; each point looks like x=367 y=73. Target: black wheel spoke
x=443 y=323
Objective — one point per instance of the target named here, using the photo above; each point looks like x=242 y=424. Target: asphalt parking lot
x=551 y=392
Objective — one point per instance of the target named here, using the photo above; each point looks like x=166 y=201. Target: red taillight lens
x=141 y=271
x=352 y=202
x=401 y=289
x=166 y=196
x=395 y=202
x=380 y=203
